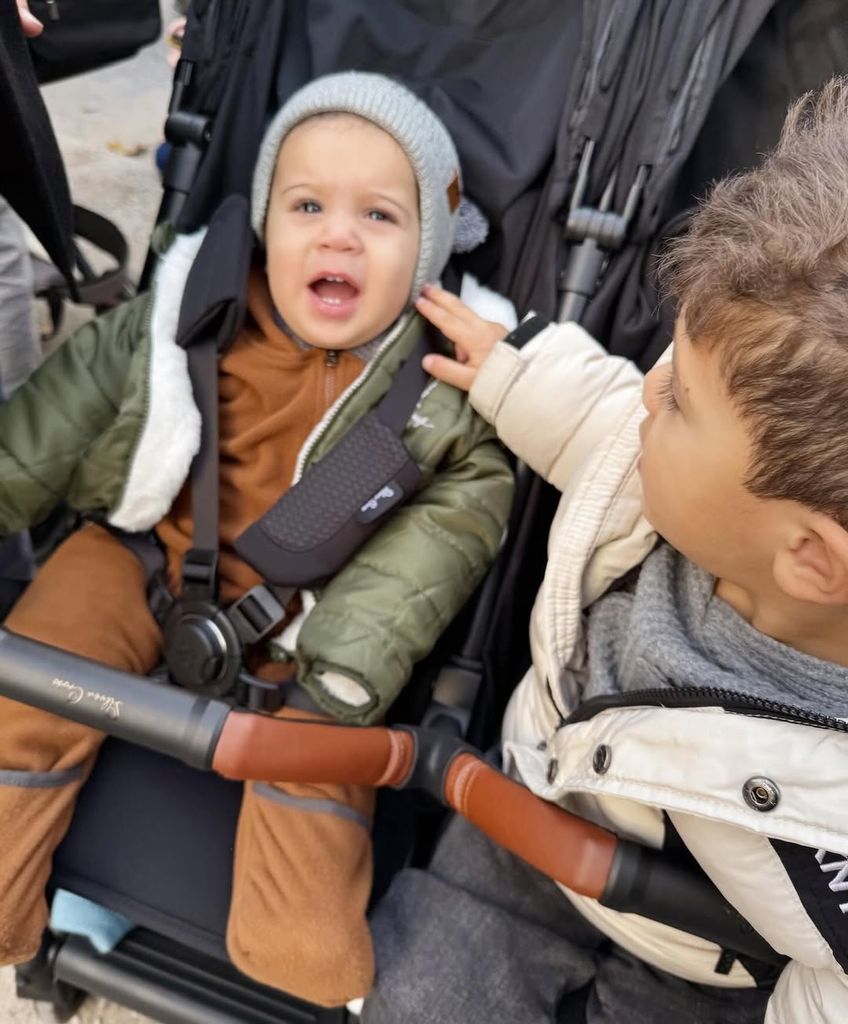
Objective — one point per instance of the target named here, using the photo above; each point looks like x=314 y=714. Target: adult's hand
x=29 y=23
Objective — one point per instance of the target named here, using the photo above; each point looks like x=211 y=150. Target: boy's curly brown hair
x=762 y=278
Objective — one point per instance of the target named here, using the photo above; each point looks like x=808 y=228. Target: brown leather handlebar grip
x=255 y=746
x=562 y=846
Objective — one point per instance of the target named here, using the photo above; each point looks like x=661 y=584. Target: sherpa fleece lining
x=172 y=425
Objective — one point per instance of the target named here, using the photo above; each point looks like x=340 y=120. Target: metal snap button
x=601 y=758
x=553 y=767
x=761 y=793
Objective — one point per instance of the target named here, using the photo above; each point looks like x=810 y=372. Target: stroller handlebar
x=162 y=717
x=207 y=733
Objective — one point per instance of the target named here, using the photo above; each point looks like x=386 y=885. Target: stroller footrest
x=175 y=985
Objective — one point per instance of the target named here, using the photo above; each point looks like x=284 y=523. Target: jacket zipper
x=331 y=361
x=321 y=428
x=706 y=696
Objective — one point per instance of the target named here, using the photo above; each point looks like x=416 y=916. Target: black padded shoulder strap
x=319 y=523
x=211 y=314
x=215 y=296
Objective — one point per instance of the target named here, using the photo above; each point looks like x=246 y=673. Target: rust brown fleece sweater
x=272 y=392
x=302 y=871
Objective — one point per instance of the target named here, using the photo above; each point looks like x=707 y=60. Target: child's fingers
x=449 y=302
x=450 y=371
x=462 y=331
x=437 y=308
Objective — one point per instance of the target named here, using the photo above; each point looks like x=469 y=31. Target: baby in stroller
x=697 y=576
x=356 y=202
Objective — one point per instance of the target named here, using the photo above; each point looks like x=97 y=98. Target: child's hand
x=473 y=337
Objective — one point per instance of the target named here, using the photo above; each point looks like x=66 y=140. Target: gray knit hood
x=416 y=129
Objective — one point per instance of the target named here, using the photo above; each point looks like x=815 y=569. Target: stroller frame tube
x=208 y=733
x=175 y=722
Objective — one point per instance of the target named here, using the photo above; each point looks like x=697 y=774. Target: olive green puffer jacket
x=108 y=424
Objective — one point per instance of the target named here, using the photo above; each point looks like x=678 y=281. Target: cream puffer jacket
x=572 y=412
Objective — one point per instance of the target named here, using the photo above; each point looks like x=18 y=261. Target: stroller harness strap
x=312 y=530
x=318 y=524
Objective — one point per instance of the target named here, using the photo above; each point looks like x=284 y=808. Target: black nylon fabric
x=88 y=34
x=32 y=176
x=651 y=72
x=520 y=87
x=796 y=47
x=153 y=839
x=496 y=72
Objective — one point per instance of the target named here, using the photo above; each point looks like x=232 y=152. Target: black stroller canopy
x=453 y=55
x=521 y=86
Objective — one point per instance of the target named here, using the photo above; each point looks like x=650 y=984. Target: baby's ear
x=813 y=564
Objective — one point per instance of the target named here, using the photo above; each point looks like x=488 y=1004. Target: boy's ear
x=813 y=564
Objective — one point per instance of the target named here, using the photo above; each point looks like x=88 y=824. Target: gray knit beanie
x=416 y=129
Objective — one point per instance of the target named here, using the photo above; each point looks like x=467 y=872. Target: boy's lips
x=334 y=294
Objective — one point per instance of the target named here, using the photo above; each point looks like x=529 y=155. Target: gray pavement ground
x=101 y=120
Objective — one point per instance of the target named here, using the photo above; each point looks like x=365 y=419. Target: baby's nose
x=340 y=233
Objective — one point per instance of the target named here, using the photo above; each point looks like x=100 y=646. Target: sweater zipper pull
x=331 y=361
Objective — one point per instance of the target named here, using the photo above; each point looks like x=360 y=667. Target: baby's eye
x=308 y=206
x=380 y=215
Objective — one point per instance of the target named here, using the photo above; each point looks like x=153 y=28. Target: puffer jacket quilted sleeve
x=388 y=606
x=553 y=401
x=69 y=432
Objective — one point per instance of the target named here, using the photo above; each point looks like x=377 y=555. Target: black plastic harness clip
x=200 y=574
x=255 y=614
x=258 y=695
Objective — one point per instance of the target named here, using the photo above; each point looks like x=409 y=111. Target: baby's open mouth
x=334 y=289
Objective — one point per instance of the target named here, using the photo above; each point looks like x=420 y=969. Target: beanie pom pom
x=472 y=228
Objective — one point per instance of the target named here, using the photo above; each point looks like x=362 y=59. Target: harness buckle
x=255 y=614
x=159 y=598
x=258 y=695
x=200 y=573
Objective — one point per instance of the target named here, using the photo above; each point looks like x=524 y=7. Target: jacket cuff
x=370 y=710
x=502 y=366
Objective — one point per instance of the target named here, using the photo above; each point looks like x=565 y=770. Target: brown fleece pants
x=302 y=868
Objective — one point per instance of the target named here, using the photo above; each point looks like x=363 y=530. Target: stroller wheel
x=35 y=980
